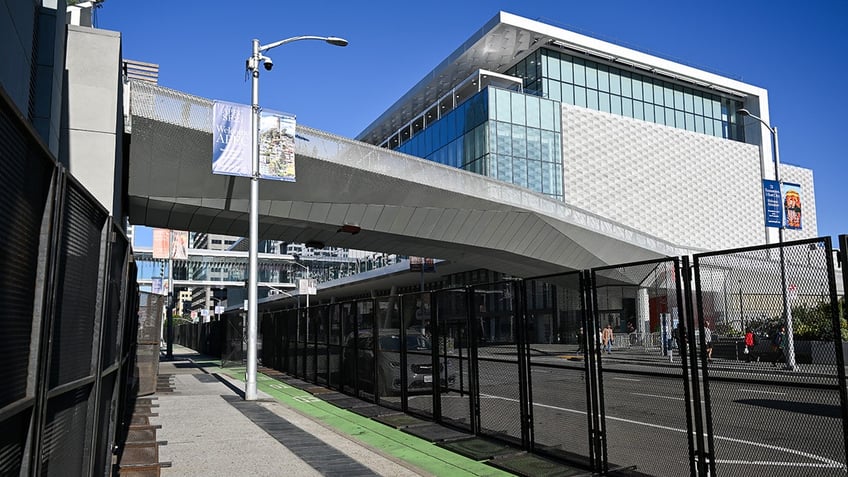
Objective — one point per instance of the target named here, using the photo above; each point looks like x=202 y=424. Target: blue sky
x=796 y=50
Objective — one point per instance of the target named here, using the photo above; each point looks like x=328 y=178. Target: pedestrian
x=580 y=339
x=778 y=345
x=607 y=338
x=708 y=341
x=749 y=345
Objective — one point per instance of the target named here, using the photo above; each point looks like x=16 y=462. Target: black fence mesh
x=777 y=407
x=453 y=345
x=528 y=362
x=386 y=365
x=558 y=367
x=421 y=374
x=334 y=345
x=496 y=328
x=643 y=381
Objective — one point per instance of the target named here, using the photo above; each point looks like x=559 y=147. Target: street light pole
x=253 y=63
x=741 y=316
x=787 y=312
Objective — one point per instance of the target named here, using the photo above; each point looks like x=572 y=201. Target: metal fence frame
x=350 y=329
x=70 y=323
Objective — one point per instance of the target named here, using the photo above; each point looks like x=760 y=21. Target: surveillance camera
x=269 y=63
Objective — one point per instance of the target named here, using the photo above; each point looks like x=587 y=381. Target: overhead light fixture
x=350 y=229
x=315 y=244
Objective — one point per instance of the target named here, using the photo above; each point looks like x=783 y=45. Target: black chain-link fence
x=636 y=369
x=771 y=347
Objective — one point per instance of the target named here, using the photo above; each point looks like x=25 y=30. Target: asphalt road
x=765 y=421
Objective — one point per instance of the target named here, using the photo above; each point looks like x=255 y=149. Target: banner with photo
x=231 y=142
x=791 y=194
x=276 y=146
x=179 y=245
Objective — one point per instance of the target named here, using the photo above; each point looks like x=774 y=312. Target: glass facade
x=582 y=82
x=498 y=133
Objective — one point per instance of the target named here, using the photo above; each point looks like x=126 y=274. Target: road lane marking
x=627 y=379
x=824 y=462
x=658 y=396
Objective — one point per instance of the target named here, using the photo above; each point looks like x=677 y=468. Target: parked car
x=419 y=376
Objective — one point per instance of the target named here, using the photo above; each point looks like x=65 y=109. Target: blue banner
x=772 y=201
x=231 y=139
x=791 y=205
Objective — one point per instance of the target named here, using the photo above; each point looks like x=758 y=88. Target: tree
x=815 y=323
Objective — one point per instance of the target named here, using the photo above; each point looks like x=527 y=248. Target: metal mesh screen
x=266 y=336
x=453 y=345
x=558 y=367
x=421 y=377
x=777 y=408
x=105 y=425
x=77 y=300
x=643 y=386
x=322 y=322
x=28 y=172
x=64 y=438
x=499 y=355
x=291 y=342
x=387 y=363
x=234 y=353
x=349 y=354
x=365 y=348
x=13 y=442
x=115 y=293
x=336 y=336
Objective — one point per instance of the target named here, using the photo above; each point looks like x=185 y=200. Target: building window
x=499 y=133
x=585 y=83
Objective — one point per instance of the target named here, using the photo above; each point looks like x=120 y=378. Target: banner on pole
x=772 y=201
x=231 y=139
x=161 y=243
x=231 y=142
x=791 y=205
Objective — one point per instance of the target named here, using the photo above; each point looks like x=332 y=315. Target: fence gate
x=234 y=343
x=497 y=332
x=451 y=339
x=560 y=382
x=780 y=408
x=644 y=390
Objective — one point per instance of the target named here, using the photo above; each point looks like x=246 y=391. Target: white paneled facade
x=687 y=188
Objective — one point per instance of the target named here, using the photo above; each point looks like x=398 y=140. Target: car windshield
x=413 y=342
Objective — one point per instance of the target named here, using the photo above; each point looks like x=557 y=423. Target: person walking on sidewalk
x=708 y=341
x=581 y=338
x=749 y=345
x=607 y=337
x=778 y=345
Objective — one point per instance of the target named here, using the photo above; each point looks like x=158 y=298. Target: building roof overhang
x=508 y=38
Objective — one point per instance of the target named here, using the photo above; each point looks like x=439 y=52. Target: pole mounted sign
x=771 y=199
x=231 y=153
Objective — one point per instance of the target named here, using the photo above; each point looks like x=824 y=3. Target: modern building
x=651 y=144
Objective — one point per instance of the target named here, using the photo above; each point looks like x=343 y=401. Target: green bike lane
x=412 y=450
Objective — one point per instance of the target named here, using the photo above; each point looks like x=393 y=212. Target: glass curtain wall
x=507 y=135
x=582 y=82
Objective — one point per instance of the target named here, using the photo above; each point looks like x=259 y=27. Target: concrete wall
x=92 y=132
x=693 y=190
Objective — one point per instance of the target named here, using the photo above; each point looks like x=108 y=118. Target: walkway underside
x=401 y=204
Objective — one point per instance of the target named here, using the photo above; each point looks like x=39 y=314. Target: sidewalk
x=211 y=431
